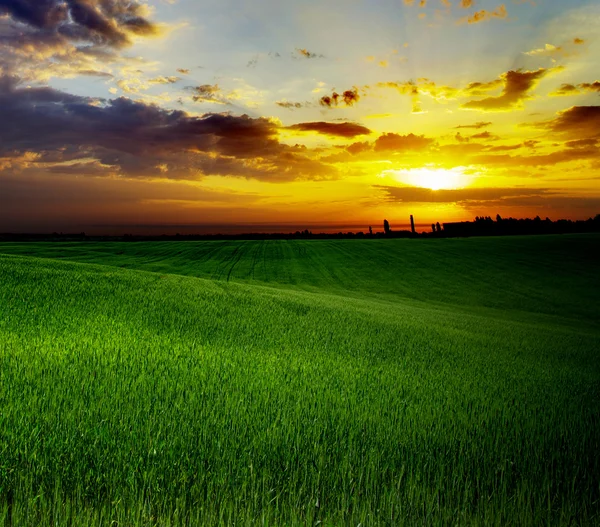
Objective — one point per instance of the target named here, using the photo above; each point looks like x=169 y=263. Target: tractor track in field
x=227 y=256
x=236 y=252
x=255 y=253
x=206 y=256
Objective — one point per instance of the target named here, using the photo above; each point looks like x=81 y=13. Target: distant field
x=379 y=382
x=544 y=274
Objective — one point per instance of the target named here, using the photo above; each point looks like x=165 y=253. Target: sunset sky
x=222 y=115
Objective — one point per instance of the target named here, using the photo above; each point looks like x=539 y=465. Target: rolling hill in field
x=378 y=382
x=545 y=274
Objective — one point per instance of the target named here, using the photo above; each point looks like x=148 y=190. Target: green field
x=346 y=382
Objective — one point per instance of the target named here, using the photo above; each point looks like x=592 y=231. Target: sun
x=431 y=177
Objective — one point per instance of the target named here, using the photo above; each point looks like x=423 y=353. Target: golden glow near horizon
x=297 y=113
x=431 y=177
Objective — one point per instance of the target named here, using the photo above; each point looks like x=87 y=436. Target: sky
x=124 y=116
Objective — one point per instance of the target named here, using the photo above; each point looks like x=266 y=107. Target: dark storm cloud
x=37 y=13
x=332 y=129
x=110 y=22
x=41 y=39
x=140 y=139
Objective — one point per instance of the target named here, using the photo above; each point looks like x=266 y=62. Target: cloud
x=391 y=141
x=112 y=23
x=136 y=85
x=568 y=48
x=553 y=158
x=303 y=52
x=485 y=16
x=477 y=126
x=183 y=71
x=424 y=195
x=349 y=98
x=517 y=87
x=479 y=88
x=422 y=86
x=210 y=93
x=571 y=89
x=331 y=129
x=549 y=50
x=577 y=122
x=405 y=88
x=164 y=80
x=465 y=4
x=485 y=135
x=566 y=89
x=289 y=105
x=440 y=93
x=504 y=148
x=46 y=39
x=492 y=197
x=137 y=139
x=460 y=138
x=582 y=143
x=358 y=148
x=591 y=86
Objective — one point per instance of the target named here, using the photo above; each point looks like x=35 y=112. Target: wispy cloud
x=485 y=16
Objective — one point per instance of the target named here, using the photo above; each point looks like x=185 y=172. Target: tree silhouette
x=438 y=227
x=386 y=226
x=433 y=227
x=370 y=230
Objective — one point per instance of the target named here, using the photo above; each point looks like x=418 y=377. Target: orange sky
x=192 y=116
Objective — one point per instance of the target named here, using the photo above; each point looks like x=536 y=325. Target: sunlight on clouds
x=431 y=177
x=234 y=100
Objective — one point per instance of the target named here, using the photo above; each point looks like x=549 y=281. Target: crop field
x=301 y=382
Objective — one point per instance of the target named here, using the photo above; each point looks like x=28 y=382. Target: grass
x=380 y=382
